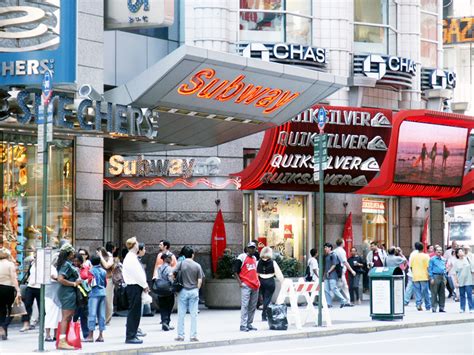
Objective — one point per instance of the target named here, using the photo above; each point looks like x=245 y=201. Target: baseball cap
x=251 y=245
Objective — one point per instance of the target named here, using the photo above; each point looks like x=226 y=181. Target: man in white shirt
x=313 y=265
x=341 y=254
x=135 y=278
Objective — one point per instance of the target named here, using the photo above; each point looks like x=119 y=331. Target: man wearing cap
x=135 y=278
x=245 y=271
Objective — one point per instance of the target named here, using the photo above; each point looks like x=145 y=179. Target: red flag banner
x=347 y=235
x=424 y=235
x=218 y=240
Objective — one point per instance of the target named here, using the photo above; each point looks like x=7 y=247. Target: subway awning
x=205 y=97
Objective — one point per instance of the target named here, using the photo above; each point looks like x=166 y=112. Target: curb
x=292 y=336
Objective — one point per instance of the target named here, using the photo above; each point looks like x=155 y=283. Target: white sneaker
x=461 y=311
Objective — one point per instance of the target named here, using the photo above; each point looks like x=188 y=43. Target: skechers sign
x=94 y=117
x=391 y=70
x=36 y=38
x=294 y=54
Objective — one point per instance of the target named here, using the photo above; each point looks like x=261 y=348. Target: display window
x=281 y=223
x=21 y=178
x=376 y=221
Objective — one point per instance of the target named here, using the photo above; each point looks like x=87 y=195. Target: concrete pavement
x=221 y=327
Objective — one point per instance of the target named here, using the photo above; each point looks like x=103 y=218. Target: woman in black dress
x=68 y=278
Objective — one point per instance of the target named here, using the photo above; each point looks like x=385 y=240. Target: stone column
x=89 y=152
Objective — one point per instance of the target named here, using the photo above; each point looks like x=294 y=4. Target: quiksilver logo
x=30 y=28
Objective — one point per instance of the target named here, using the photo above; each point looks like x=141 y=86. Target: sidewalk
x=221 y=327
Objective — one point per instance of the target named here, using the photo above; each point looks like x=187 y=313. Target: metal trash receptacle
x=387 y=291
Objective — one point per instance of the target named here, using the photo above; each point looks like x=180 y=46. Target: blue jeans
x=97 y=310
x=422 y=291
x=331 y=285
x=409 y=290
x=463 y=292
x=188 y=299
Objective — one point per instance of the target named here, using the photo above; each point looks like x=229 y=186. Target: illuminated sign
x=87 y=116
x=458 y=30
x=266 y=98
x=186 y=168
x=129 y=14
x=357 y=144
x=373 y=206
x=36 y=38
x=294 y=54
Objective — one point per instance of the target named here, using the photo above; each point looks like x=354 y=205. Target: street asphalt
x=445 y=339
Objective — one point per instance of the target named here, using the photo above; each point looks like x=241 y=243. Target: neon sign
x=205 y=85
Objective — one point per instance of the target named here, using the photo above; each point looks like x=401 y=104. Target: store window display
x=21 y=194
x=375 y=221
x=281 y=224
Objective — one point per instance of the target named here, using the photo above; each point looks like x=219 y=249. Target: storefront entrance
x=379 y=218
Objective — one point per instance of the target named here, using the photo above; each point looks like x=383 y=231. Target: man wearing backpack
x=331 y=263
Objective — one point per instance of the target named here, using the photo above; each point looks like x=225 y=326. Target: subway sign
x=458 y=30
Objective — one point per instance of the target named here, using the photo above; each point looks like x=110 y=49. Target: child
x=97 y=299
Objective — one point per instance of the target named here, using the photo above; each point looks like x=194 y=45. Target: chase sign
x=35 y=37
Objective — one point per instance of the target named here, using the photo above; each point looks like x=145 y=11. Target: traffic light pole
x=44 y=221
x=321 y=229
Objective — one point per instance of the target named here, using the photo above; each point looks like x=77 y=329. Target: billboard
x=460 y=231
x=458 y=30
x=126 y=15
x=430 y=154
x=37 y=36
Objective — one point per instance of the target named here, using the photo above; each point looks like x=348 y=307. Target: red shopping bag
x=73 y=335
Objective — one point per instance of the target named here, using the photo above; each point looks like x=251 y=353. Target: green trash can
x=387 y=292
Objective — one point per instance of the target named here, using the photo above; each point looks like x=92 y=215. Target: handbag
x=73 y=335
x=146 y=298
x=82 y=297
x=18 y=308
x=178 y=281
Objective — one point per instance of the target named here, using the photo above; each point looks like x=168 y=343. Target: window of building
x=375 y=26
x=375 y=221
x=21 y=178
x=429 y=33
x=272 y=21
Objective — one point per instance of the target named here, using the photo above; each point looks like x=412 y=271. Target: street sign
x=47 y=87
x=320 y=157
x=321 y=117
x=49 y=123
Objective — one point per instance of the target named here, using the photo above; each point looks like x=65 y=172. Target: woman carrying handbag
x=9 y=290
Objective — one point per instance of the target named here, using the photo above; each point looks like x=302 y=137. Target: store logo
x=22 y=25
x=375 y=66
x=135 y=6
x=441 y=79
x=266 y=98
x=37 y=38
x=282 y=52
x=258 y=48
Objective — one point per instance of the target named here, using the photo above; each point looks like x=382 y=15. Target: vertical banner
x=218 y=240
x=424 y=235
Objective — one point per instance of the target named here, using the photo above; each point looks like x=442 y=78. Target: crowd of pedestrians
x=88 y=288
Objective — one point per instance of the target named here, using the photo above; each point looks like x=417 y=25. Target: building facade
x=385 y=54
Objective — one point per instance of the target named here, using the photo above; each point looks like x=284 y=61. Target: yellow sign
x=458 y=30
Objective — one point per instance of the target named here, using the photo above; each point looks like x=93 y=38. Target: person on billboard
x=245 y=271
x=433 y=154
x=445 y=156
x=421 y=158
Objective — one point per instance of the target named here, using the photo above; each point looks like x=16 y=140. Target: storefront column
x=405 y=208
x=437 y=222
x=89 y=222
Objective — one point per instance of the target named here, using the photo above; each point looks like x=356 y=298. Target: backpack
x=338 y=267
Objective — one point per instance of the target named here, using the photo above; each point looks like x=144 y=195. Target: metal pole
x=321 y=229
x=44 y=210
